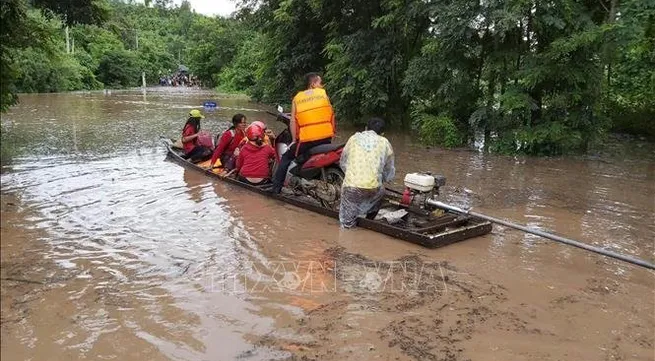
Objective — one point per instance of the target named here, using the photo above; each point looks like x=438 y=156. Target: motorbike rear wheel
x=335 y=177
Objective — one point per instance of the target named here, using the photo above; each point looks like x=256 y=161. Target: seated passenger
x=253 y=161
x=269 y=137
x=312 y=123
x=194 y=150
x=228 y=143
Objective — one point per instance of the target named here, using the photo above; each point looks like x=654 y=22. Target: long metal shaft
x=570 y=242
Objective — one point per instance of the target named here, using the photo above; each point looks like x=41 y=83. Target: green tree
x=630 y=79
x=369 y=48
x=119 y=69
x=14 y=34
x=42 y=73
x=213 y=43
x=531 y=77
x=26 y=32
x=77 y=11
x=245 y=70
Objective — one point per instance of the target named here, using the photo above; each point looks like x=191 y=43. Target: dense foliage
x=531 y=77
x=110 y=43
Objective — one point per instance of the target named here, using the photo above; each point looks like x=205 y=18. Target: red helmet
x=254 y=132
x=259 y=124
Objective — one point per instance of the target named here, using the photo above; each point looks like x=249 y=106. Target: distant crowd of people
x=180 y=79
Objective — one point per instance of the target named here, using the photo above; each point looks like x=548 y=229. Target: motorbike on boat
x=315 y=173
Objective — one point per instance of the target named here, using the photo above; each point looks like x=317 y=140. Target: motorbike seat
x=324 y=148
x=319 y=149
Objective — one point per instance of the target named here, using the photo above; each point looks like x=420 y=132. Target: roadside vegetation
x=533 y=77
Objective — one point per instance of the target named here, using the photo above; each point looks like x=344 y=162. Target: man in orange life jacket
x=312 y=124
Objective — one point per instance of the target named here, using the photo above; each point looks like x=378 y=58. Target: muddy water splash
x=109 y=251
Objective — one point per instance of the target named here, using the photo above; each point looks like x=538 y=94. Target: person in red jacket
x=194 y=149
x=253 y=161
x=269 y=136
x=229 y=141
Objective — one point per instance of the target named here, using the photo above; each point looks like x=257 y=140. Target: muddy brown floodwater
x=111 y=252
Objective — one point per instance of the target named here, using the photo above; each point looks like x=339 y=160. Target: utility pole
x=73 y=45
x=143 y=84
x=68 y=44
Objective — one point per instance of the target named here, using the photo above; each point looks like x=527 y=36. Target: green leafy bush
x=438 y=130
x=119 y=69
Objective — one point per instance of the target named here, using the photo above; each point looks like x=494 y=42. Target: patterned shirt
x=367 y=160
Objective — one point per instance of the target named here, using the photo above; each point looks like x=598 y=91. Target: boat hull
x=447 y=229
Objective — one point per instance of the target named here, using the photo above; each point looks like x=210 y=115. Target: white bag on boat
x=390 y=216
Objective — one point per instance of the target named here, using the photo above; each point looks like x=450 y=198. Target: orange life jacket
x=313 y=115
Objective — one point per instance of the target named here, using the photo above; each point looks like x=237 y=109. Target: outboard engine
x=419 y=187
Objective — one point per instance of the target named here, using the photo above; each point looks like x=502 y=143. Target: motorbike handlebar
x=281 y=117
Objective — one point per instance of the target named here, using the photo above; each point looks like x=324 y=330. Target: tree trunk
x=491 y=90
x=503 y=79
x=68 y=44
x=611 y=18
x=535 y=114
x=519 y=48
x=614 y=9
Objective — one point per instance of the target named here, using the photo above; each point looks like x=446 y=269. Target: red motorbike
x=315 y=173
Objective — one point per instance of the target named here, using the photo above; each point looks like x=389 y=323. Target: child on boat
x=229 y=141
x=253 y=161
x=194 y=142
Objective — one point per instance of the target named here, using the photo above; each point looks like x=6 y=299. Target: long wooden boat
x=432 y=231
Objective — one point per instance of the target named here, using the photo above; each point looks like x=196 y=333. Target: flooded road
x=108 y=251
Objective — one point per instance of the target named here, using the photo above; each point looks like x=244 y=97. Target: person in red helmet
x=269 y=136
x=253 y=161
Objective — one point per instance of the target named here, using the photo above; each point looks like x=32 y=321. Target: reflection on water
x=152 y=259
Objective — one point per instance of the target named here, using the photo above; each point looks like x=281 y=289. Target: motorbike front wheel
x=334 y=176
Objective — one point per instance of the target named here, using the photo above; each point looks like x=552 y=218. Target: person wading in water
x=368 y=162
